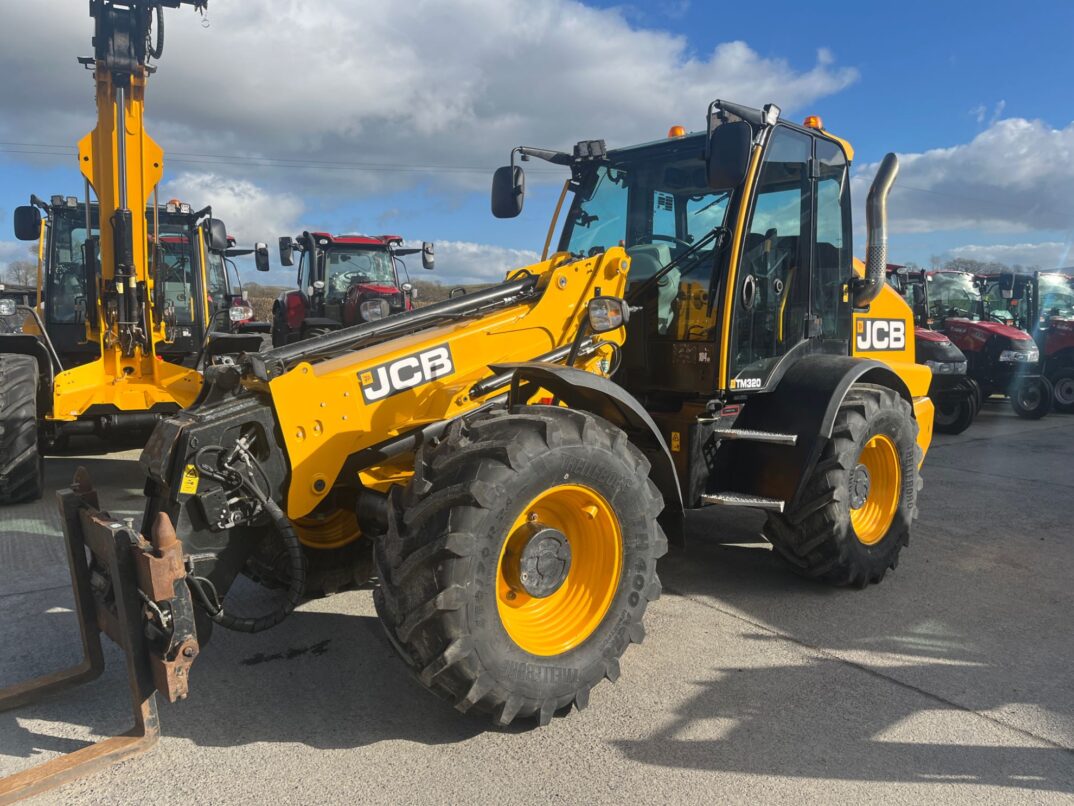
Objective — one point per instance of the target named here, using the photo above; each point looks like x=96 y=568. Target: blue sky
x=395 y=120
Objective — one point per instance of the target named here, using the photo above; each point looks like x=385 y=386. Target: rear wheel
x=520 y=559
x=1063 y=389
x=857 y=506
x=21 y=463
x=954 y=413
x=1032 y=398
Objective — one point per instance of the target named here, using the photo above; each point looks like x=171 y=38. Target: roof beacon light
x=813 y=122
x=677 y=131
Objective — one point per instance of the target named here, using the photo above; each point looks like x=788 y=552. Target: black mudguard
x=805 y=403
x=26 y=344
x=596 y=394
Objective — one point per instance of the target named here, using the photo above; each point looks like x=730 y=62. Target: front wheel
x=1063 y=389
x=954 y=414
x=854 y=514
x=520 y=559
x=1031 y=398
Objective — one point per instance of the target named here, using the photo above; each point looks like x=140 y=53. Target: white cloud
x=1016 y=176
x=426 y=83
x=1046 y=255
x=250 y=212
x=461 y=262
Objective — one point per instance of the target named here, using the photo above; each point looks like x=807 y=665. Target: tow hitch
x=134 y=591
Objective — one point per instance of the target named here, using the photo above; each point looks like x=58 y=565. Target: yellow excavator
x=510 y=463
x=123 y=306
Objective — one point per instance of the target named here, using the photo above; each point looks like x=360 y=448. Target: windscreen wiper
x=716 y=233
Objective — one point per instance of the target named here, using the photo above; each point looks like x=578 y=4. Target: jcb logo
x=405 y=373
x=878 y=335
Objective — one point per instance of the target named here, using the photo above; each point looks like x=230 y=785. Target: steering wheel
x=352 y=277
x=672 y=239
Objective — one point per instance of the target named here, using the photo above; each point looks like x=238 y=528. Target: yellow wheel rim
x=331 y=531
x=554 y=624
x=879 y=497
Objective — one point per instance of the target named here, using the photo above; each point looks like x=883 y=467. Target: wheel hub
x=859 y=486
x=544 y=562
x=1064 y=391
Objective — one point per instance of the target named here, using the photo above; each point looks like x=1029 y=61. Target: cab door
x=772 y=293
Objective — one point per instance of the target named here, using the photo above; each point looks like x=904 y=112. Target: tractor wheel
x=520 y=559
x=21 y=464
x=955 y=414
x=1032 y=398
x=859 y=501
x=1063 y=385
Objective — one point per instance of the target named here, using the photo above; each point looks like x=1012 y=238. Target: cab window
x=832 y=258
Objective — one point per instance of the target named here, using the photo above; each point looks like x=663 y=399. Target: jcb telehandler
x=700 y=337
x=123 y=308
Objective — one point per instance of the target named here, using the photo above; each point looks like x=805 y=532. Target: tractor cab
x=181 y=241
x=343 y=280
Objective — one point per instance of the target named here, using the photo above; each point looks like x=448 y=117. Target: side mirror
x=508 y=191
x=27 y=223
x=728 y=155
x=607 y=313
x=261 y=261
x=217 y=235
x=287 y=251
x=428 y=259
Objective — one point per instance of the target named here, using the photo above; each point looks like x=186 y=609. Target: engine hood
x=986 y=329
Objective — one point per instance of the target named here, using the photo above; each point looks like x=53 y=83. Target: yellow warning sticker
x=189 y=485
x=676 y=441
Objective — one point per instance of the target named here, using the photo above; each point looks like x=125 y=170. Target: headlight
x=1019 y=356
x=7 y=307
x=374 y=309
x=947 y=367
x=240 y=313
x=607 y=313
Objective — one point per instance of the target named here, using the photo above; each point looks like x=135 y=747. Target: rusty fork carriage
x=119 y=580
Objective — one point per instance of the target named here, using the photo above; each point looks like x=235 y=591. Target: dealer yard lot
x=951 y=680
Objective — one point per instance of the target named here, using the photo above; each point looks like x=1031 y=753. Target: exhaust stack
x=876 y=223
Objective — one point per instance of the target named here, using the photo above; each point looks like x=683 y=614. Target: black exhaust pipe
x=876 y=223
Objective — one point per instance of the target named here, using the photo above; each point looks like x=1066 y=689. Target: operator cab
x=762 y=267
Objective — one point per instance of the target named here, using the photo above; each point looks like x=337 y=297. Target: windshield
x=953 y=294
x=652 y=200
x=1056 y=296
x=65 y=291
x=346 y=267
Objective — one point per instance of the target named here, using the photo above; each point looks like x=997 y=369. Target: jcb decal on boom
x=878 y=335
x=405 y=373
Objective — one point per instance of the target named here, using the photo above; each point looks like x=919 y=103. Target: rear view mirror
x=728 y=155
x=217 y=235
x=261 y=261
x=508 y=191
x=287 y=251
x=428 y=259
x=27 y=223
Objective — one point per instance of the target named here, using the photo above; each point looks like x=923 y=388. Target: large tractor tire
x=21 y=464
x=855 y=514
x=1032 y=398
x=520 y=559
x=954 y=414
x=1062 y=380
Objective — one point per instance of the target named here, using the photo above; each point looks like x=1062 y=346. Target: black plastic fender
x=605 y=398
x=805 y=403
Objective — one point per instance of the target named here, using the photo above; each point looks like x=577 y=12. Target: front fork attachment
x=134 y=591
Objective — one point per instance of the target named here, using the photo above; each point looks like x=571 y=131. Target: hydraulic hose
x=296 y=559
x=158 y=51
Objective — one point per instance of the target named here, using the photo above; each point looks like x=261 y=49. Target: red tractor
x=956 y=396
x=343 y=280
x=1001 y=358
x=1042 y=304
